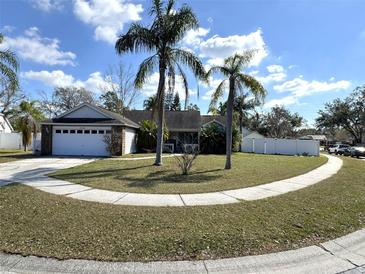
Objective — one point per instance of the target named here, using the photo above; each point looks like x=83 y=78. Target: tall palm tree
x=238 y=82
x=9 y=66
x=27 y=122
x=161 y=38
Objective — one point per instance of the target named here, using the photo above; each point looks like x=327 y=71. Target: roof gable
x=84 y=111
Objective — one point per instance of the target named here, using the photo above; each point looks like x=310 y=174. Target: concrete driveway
x=27 y=170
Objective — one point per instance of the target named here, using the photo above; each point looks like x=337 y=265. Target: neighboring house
x=183 y=126
x=246 y=133
x=5 y=126
x=321 y=138
x=81 y=131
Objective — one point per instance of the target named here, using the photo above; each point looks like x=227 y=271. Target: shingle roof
x=175 y=120
x=209 y=118
x=115 y=118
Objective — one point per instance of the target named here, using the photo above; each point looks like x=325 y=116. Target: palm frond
x=145 y=69
x=137 y=39
x=218 y=93
x=185 y=83
x=218 y=69
x=252 y=84
x=190 y=60
x=9 y=58
x=10 y=75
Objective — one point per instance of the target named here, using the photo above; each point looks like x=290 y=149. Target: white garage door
x=84 y=141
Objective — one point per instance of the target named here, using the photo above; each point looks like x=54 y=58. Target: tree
x=280 y=123
x=191 y=107
x=119 y=92
x=176 y=106
x=150 y=103
x=347 y=114
x=147 y=135
x=238 y=81
x=27 y=121
x=66 y=98
x=8 y=67
x=9 y=98
x=168 y=28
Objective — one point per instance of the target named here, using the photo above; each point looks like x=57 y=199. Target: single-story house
x=321 y=138
x=81 y=131
x=5 y=126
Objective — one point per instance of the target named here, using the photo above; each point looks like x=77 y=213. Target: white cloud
x=57 y=78
x=7 y=28
x=217 y=48
x=213 y=84
x=276 y=74
x=31 y=46
x=194 y=37
x=300 y=87
x=107 y=16
x=47 y=5
x=150 y=88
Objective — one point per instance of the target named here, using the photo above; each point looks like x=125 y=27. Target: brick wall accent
x=46 y=141
x=119 y=130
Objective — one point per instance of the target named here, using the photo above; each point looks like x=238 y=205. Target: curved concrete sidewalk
x=33 y=172
x=342 y=255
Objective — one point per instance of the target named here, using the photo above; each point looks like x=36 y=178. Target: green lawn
x=207 y=174
x=10 y=155
x=38 y=223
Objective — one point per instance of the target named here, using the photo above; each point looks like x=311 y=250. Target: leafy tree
x=238 y=81
x=112 y=102
x=119 y=92
x=66 y=98
x=9 y=98
x=176 y=106
x=8 y=67
x=280 y=123
x=29 y=115
x=150 y=103
x=161 y=38
x=193 y=107
x=147 y=135
x=347 y=114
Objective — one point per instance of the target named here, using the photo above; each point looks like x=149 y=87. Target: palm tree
x=149 y=103
x=9 y=66
x=238 y=81
x=27 y=122
x=161 y=38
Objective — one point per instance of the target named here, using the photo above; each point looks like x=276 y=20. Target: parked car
x=357 y=152
x=338 y=149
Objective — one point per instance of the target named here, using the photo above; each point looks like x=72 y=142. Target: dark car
x=357 y=152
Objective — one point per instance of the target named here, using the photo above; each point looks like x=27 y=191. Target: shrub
x=113 y=143
x=147 y=135
x=186 y=160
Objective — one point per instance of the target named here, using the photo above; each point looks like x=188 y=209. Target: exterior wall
x=129 y=141
x=11 y=141
x=5 y=126
x=84 y=112
x=46 y=141
x=281 y=146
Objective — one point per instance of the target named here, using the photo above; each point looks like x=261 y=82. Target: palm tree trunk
x=161 y=114
x=229 y=125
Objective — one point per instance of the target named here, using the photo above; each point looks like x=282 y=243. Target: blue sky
x=309 y=52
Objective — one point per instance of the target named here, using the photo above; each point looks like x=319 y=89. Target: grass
x=9 y=155
x=38 y=223
x=207 y=174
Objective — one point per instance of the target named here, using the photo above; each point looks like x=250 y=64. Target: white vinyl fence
x=281 y=146
x=14 y=141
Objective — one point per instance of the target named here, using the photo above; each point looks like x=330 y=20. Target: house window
x=72 y=131
x=58 y=131
x=87 y=131
x=79 y=131
x=94 y=132
x=65 y=131
x=101 y=131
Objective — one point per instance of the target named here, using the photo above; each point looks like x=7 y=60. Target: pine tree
x=176 y=106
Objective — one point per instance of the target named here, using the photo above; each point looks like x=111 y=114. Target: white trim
x=213 y=121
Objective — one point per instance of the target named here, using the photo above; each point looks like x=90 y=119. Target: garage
x=83 y=141
x=82 y=130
